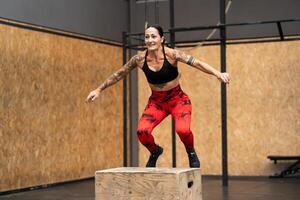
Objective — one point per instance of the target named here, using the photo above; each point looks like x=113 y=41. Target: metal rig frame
x=223 y=41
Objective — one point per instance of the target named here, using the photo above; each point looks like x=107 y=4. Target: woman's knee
x=144 y=132
x=183 y=129
x=184 y=133
x=141 y=132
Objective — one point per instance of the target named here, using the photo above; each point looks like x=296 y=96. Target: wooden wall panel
x=264 y=112
x=263 y=108
x=48 y=133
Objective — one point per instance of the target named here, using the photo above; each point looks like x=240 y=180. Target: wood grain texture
x=48 y=133
x=263 y=109
x=148 y=184
x=264 y=114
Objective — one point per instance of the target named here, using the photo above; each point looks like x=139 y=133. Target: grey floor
x=238 y=189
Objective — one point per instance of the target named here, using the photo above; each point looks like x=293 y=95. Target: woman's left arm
x=198 y=64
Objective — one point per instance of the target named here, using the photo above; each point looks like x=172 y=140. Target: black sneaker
x=193 y=159
x=154 y=156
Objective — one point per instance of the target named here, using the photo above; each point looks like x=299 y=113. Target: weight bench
x=292 y=169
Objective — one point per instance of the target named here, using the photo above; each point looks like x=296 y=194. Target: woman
x=159 y=64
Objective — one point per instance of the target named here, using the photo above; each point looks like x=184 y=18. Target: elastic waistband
x=174 y=90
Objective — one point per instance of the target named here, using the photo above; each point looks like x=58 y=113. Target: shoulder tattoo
x=131 y=64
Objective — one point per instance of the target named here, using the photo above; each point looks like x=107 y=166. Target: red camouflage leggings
x=160 y=105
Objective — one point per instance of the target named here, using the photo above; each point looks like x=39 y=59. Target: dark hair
x=159 y=29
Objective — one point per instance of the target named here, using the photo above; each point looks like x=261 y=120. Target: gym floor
x=250 y=188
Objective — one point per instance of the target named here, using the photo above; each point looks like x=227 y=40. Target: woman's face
x=152 y=39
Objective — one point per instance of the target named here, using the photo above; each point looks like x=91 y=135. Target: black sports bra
x=167 y=73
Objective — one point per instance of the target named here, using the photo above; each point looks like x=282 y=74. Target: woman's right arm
x=115 y=77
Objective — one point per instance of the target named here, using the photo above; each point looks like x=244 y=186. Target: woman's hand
x=223 y=77
x=93 y=95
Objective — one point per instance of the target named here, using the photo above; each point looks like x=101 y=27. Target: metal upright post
x=124 y=103
x=172 y=43
x=223 y=94
x=133 y=98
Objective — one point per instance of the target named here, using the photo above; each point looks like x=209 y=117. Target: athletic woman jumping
x=159 y=64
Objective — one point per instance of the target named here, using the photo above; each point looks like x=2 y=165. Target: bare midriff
x=165 y=86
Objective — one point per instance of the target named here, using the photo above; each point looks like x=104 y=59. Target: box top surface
x=147 y=170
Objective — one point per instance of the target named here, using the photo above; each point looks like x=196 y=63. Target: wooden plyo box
x=148 y=184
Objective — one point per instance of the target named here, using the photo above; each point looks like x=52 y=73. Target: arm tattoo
x=190 y=60
x=121 y=73
x=182 y=57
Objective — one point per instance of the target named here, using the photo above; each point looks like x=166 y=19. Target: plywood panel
x=148 y=183
x=265 y=100
x=48 y=133
x=263 y=108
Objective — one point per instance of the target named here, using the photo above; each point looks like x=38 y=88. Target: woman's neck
x=156 y=54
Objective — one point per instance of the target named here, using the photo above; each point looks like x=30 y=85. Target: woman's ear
x=162 y=39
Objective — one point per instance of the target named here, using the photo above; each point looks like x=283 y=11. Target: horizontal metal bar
x=240 y=42
x=195 y=28
x=149 y=1
x=233 y=39
x=142 y=33
x=134 y=46
x=139 y=49
x=137 y=38
x=181 y=29
x=229 y=41
x=232 y=24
